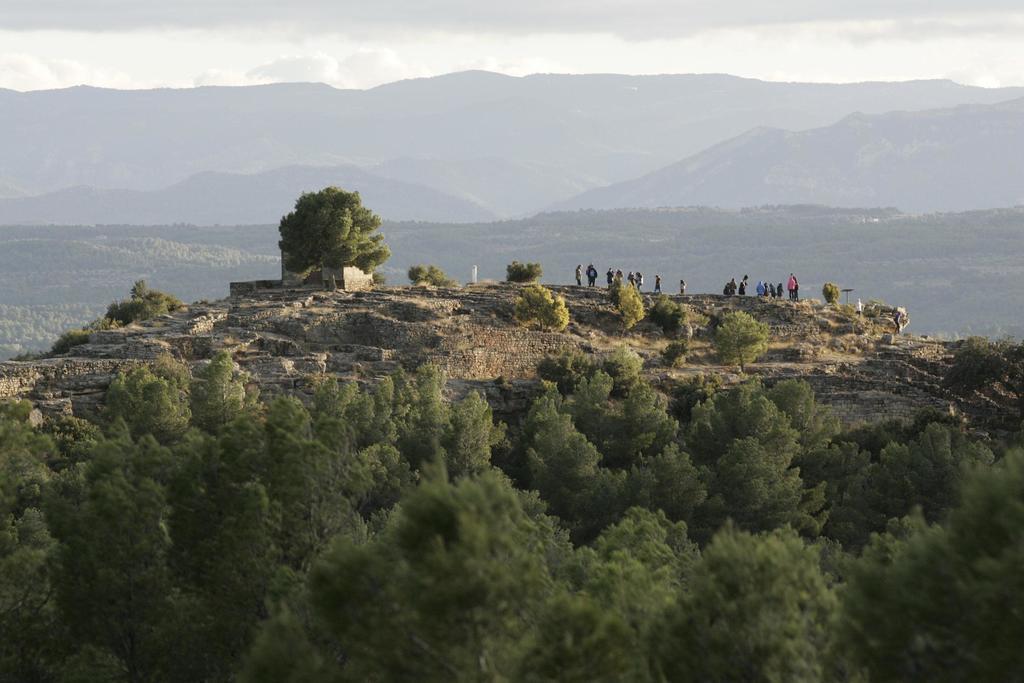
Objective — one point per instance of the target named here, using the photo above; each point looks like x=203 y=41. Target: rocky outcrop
x=287 y=338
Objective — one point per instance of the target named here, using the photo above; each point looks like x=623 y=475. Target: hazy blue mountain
x=229 y=199
x=968 y=157
x=508 y=188
x=580 y=130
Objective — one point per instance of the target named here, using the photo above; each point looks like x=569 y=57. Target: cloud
x=635 y=19
x=362 y=68
x=27 y=72
x=298 y=69
x=221 y=77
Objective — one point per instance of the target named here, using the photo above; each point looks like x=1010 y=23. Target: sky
x=185 y=43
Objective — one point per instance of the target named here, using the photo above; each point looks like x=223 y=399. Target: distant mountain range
x=463 y=147
x=213 y=198
x=968 y=157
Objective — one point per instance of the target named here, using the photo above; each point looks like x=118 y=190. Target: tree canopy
x=384 y=531
x=740 y=339
x=331 y=228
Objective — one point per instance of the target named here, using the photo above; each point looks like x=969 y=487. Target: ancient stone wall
x=347 y=279
x=489 y=353
x=251 y=287
x=355 y=280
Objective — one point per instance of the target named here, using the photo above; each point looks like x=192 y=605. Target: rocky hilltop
x=288 y=338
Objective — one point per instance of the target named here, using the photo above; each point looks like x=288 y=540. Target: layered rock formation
x=287 y=339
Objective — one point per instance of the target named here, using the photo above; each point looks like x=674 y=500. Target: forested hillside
x=53 y=279
x=606 y=534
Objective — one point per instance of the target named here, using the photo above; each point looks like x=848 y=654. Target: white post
x=474 y=275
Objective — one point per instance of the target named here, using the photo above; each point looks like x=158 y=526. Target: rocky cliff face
x=288 y=338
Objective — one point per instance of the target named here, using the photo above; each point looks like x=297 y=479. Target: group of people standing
x=633 y=278
x=763 y=288
x=732 y=288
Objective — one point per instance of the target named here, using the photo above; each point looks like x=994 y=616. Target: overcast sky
x=183 y=43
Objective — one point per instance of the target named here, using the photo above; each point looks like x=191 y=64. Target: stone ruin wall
x=488 y=353
x=856 y=401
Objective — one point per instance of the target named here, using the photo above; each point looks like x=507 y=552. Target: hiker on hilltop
x=730 y=287
x=639 y=279
x=743 y=285
x=591 y=275
x=682 y=287
x=793 y=287
x=579 y=275
x=900 y=319
x=657 y=284
x=779 y=290
x=760 y=288
x=611 y=277
x=631 y=279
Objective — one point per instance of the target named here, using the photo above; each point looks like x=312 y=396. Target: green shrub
x=430 y=275
x=690 y=393
x=144 y=304
x=831 y=292
x=740 y=339
x=629 y=303
x=523 y=272
x=69 y=340
x=625 y=367
x=538 y=306
x=667 y=314
x=151 y=400
x=567 y=370
x=675 y=353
